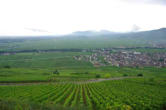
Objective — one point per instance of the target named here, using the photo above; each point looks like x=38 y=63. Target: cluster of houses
x=124 y=58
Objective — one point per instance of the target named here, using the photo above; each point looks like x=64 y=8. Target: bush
x=107 y=75
x=56 y=72
x=125 y=75
x=7 y=66
x=140 y=74
x=98 y=76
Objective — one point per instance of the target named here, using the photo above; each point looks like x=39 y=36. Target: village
x=124 y=58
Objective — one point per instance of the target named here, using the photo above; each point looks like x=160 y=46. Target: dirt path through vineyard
x=75 y=82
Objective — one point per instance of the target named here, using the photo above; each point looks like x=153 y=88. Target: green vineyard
x=126 y=94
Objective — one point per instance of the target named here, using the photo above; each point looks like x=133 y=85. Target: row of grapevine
x=120 y=94
x=70 y=97
x=76 y=97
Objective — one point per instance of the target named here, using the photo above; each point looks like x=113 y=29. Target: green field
x=72 y=89
x=126 y=94
x=40 y=66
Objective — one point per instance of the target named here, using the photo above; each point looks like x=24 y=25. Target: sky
x=56 y=17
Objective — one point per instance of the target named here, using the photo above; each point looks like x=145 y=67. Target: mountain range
x=87 y=39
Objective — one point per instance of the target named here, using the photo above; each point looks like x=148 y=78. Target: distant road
x=75 y=82
x=37 y=51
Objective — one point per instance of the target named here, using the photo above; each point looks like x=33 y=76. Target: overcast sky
x=51 y=17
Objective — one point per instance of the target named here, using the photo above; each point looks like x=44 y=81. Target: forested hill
x=86 y=40
x=153 y=35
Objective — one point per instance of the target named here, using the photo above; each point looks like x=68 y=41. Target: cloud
x=35 y=30
x=135 y=28
x=162 y=2
x=157 y=2
x=23 y=18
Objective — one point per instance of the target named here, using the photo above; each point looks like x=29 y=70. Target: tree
x=98 y=76
x=140 y=74
x=7 y=66
x=86 y=73
x=56 y=72
x=107 y=75
x=125 y=75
